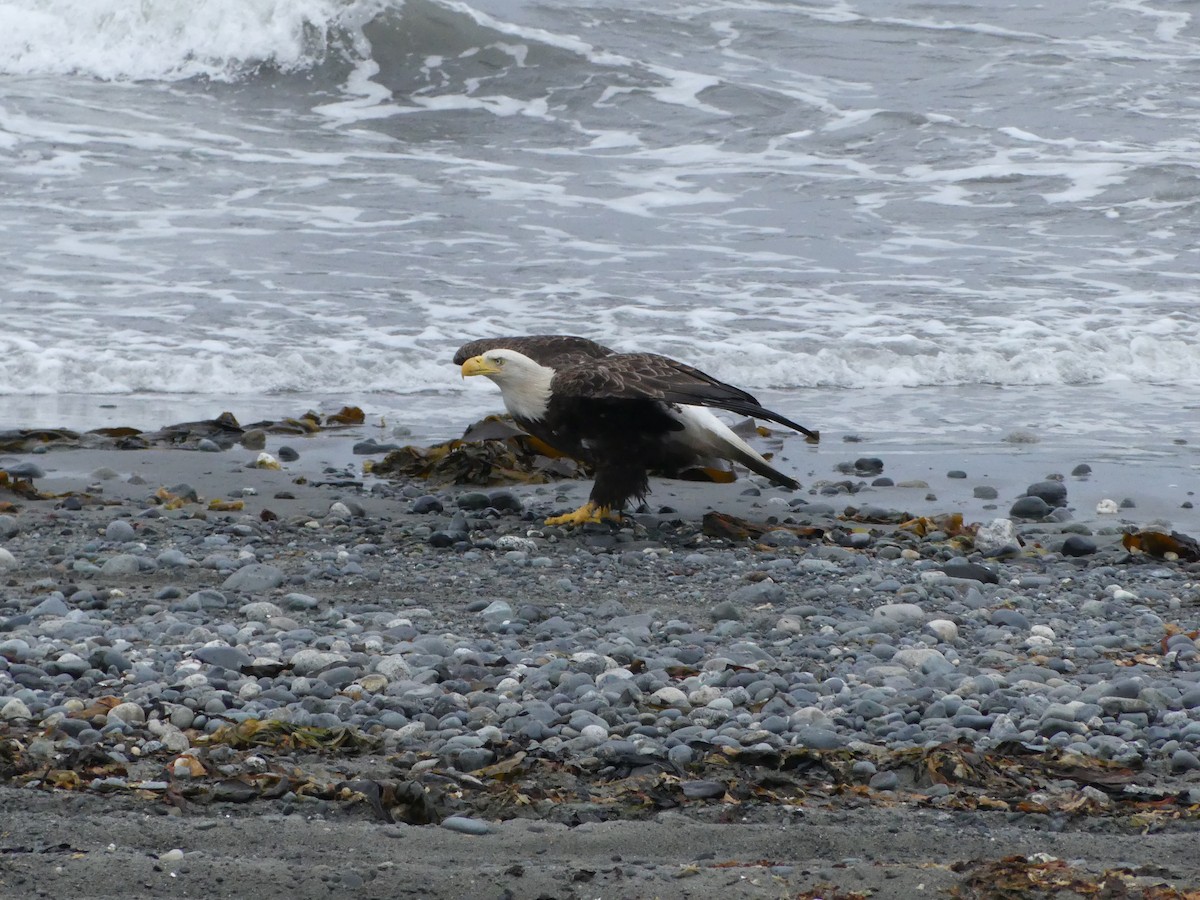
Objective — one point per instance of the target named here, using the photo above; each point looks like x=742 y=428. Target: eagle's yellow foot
x=588 y=513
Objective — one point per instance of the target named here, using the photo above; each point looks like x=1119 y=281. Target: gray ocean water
x=947 y=221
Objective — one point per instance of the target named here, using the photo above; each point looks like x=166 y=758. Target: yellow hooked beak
x=477 y=365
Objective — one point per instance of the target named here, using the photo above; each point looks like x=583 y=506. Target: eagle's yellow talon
x=588 y=513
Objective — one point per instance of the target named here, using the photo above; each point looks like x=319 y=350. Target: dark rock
x=505 y=501
x=1053 y=492
x=1082 y=469
x=972 y=571
x=868 y=465
x=1030 y=508
x=1078 y=545
x=986 y=492
x=702 y=790
x=473 y=500
x=426 y=504
x=287 y=454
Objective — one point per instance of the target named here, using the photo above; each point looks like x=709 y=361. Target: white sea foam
x=167 y=40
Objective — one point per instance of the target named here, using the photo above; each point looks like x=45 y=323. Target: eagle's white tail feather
x=708 y=435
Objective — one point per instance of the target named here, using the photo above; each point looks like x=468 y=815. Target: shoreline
x=371 y=626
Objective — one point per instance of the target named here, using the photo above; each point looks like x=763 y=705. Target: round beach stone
x=1054 y=493
x=1078 y=545
x=7 y=560
x=121 y=564
x=309 y=660
x=1030 y=508
x=54 y=605
x=119 y=531
x=68 y=663
x=15 y=709
x=129 y=713
x=942 y=629
x=671 y=696
x=233 y=658
x=8 y=527
x=902 y=613
x=254 y=578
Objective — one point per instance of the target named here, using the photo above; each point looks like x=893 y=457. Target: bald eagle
x=623 y=413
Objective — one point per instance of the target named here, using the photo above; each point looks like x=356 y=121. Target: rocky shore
x=249 y=681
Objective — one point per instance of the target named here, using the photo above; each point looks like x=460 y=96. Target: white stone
x=175 y=740
x=704 y=695
x=1107 y=507
x=265 y=460
x=904 y=613
x=594 y=734
x=14 y=709
x=790 y=624
x=942 y=629
x=309 y=660
x=508 y=687
x=917 y=658
x=130 y=713
x=413 y=731
x=260 y=610
x=1003 y=728
x=392 y=667
x=591 y=663
x=249 y=690
x=671 y=696
x=995 y=536
x=612 y=676
x=7 y=560
x=515 y=542
x=809 y=715
x=1043 y=631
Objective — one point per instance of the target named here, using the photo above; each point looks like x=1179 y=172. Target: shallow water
x=949 y=221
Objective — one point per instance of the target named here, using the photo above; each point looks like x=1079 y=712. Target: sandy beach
x=149 y=803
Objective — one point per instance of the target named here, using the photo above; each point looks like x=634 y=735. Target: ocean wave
x=27 y=370
x=164 y=40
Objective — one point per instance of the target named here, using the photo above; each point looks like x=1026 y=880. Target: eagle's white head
x=524 y=384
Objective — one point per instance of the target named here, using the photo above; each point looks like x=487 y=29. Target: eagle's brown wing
x=647 y=375
x=544 y=349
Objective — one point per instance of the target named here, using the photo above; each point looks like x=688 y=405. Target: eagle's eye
x=499 y=361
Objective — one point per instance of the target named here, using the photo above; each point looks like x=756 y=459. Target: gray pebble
x=464 y=825
x=254 y=578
